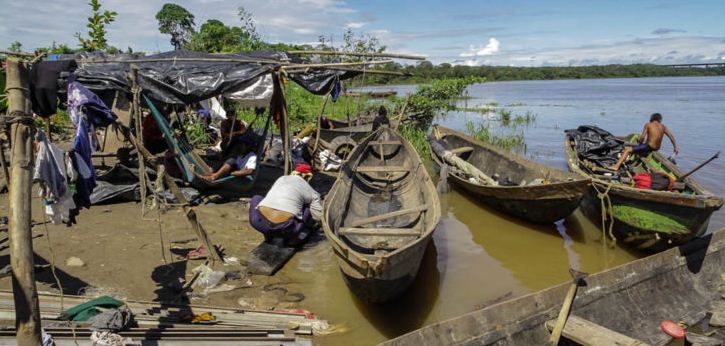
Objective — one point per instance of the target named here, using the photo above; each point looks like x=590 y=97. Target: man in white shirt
x=290 y=209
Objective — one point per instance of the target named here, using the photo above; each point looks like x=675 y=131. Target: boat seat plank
x=360 y=222
x=374 y=169
x=461 y=150
x=588 y=333
x=385 y=143
x=388 y=232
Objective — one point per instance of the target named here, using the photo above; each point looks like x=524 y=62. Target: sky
x=482 y=32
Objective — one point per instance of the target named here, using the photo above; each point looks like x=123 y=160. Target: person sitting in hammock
x=241 y=163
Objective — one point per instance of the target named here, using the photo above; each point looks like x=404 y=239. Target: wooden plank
x=461 y=150
x=385 y=143
x=360 y=222
x=267 y=259
x=374 y=169
x=588 y=333
x=387 y=232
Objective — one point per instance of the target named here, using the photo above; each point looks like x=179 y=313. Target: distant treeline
x=425 y=72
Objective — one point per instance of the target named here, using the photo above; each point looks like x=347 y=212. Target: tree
x=177 y=22
x=16 y=46
x=216 y=37
x=97 y=22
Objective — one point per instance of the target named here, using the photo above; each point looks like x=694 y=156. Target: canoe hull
x=680 y=284
x=387 y=284
x=397 y=201
x=648 y=220
x=555 y=204
x=534 y=203
x=648 y=239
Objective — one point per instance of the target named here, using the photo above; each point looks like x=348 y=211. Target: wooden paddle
x=682 y=178
x=577 y=278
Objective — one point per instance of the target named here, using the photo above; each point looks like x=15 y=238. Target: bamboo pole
x=337 y=64
x=380 y=72
x=11 y=53
x=370 y=55
x=25 y=294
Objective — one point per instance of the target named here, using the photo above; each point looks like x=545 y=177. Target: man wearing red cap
x=289 y=208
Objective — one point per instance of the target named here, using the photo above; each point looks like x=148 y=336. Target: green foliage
x=97 y=22
x=483 y=132
x=16 y=46
x=177 y=22
x=304 y=107
x=197 y=134
x=431 y=99
x=424 y=72
x=60 y=123
x=217 y=37
x=418 y=138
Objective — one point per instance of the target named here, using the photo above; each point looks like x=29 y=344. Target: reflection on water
x=411 y=310
x=479 y=256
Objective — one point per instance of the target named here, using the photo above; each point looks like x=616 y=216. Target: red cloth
x=642 y=181
x=303 y=168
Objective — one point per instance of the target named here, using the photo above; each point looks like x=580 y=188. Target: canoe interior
x=680 y=284
x=494 y=161
x=384 y=178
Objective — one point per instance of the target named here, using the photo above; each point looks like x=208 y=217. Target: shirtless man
x=650 y=140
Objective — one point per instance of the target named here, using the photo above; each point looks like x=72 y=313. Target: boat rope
x=52 y=258
x=606 y=209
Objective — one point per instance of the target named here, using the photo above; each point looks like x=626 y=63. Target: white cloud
x=355 y=25
x=489 y=49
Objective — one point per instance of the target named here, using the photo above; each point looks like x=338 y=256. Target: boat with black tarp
x=643 y=217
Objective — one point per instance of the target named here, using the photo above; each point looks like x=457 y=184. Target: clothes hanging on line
x=53 y=170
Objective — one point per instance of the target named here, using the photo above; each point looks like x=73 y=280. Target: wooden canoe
x=680 y=284
x=379 y=216
x=542 y=203
x=646 y=219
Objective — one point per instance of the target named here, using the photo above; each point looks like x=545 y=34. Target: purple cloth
x=642 y=149
x=291 y=228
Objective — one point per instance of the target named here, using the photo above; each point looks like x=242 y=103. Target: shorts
x=232 y=162
x=642 y=149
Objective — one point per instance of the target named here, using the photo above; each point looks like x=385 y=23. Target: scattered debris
x=74 y=262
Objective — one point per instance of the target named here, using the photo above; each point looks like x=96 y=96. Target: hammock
x=191 y=163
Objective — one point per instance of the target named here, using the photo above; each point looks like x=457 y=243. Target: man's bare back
x=652 y=134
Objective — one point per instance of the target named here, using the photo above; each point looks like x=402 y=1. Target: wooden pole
x=369 y=55
x=25 y=294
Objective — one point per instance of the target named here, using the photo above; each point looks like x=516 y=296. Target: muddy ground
x=130 y=256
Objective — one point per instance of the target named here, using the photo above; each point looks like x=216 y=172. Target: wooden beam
x=25 y=294
x=375 y=169
x=588 y=333
x=387 y=232
x=381 y=217
x=11 y=53
x=385 y=143
x=461 y=150
x=369 y=55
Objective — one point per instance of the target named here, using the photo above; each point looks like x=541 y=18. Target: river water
x=478 y=256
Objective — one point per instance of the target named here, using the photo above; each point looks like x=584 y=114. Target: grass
x=418 y=138
x=483 y=132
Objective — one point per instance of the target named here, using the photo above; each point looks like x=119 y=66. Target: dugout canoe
x=356 y=129
x=648 y=220
x=379 y=216
x=679 y=284
x=542 y=203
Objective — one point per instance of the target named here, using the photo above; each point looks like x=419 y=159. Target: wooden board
x=373 y=169
x=267 y=259
x=588 y=333
x=360 y=222
x=380 y=231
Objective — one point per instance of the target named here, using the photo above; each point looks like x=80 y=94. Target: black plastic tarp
x=595 y=144
x=183 y=77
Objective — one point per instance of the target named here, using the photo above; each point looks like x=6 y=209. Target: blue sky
x=514 y=32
